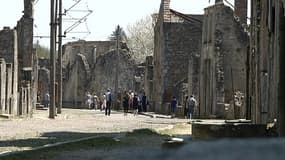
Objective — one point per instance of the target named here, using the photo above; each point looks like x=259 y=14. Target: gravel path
x=76 y=123
x=72 y=124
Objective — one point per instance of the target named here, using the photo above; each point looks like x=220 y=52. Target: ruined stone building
x=43 y=84
x=177 y=41
x=90 y=66
x=148 y=81
x=223 y=62
x=18 y=74
x=266 y=98
x=9 y=71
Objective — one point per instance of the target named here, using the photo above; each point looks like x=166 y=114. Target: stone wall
x=148 y=81
x=177 y=39
x=104 y=73
x=9 y=67
x=91 y=66
x=90 y=49
x=266 y=62
x=26 y=55
x=223 y=62
x=16 y=51
x=43 y=83
x=241 y=10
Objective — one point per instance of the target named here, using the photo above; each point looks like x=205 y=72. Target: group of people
x=132 y=100
x=189 y=105
x=93 y=101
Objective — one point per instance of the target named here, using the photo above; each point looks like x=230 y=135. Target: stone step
x=210 y=129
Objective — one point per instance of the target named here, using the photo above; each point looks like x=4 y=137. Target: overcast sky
x=106 y=15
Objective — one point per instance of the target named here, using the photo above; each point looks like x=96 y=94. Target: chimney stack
x=165 y=6
x=29 y=8
x=219 y=1
x=241 y=10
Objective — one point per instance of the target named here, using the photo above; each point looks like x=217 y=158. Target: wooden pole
x=52 y=62
x=60 y=57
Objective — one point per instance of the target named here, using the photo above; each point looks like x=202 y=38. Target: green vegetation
x=42 y=51
x=182 y=128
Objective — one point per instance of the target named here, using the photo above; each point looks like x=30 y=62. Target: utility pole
x=52 y=59
x=59 y=57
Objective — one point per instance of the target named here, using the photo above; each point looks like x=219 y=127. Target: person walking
x=47 y=100
x=173 y=106
x=108 y=103
x=144 y=102
x=89 y=100
x=126 y=103
x=135 y=104
x=191 y=105
x=186 y=107
x=103 y=102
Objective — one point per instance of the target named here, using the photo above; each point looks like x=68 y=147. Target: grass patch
x=47 y=138
x=178 y=129
x=51 y=152
x=138 y=139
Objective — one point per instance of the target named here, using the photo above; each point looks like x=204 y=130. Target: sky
x=105 y=16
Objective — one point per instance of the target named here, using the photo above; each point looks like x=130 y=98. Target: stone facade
x=241 y=10
x=177 y=39
x=17 y=64
x=91 y=66
x=148 y=81
x=9 y=68
x=266 y=98
x=223 y=63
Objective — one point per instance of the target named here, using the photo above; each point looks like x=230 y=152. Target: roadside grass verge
x=136 y=138
x=178 y=129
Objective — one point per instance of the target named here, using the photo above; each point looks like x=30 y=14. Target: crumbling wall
x=9 y=53
x=223 y=62
x=104 y=72
x=148 y=81
x=266 y=81
x=16 y=49
x=90 y=67
x=177 y=39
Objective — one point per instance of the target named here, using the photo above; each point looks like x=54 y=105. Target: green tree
x=118 y=32
x=42 y=51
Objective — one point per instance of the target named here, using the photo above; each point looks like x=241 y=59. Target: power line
x=75 y=20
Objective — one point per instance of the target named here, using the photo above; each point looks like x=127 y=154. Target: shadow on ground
x=44 y=148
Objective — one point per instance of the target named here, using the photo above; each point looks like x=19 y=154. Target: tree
x=42 y=51
x=118 y=35
x=118 y=32
x=141 y=39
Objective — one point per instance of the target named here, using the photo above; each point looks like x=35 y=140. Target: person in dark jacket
x=144 y=102
x=126 y=103
x=108 y=102
x=186 y=107
x=135 y=104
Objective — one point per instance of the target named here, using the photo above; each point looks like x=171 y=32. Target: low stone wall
x=212 y=130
